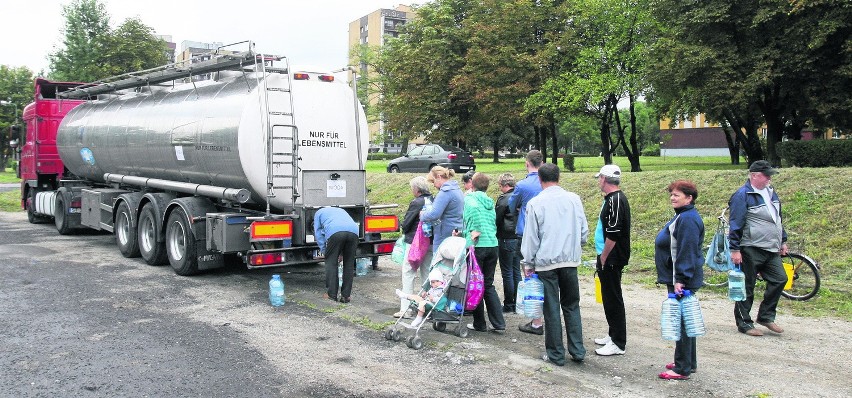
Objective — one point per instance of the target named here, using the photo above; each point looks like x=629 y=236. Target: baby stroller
x=451 y=259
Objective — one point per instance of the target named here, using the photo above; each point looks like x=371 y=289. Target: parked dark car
x=422 y=158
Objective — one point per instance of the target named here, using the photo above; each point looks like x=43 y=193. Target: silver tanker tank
x=214 y=133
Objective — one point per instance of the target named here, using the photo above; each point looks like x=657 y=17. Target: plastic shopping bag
x=475 y=282
x=419 y=248
x=399 y=248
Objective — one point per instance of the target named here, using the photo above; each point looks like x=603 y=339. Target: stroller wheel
x=414 y=342
x=389 y=333
x=397 y=334
x=439 y=326
x=461 y=330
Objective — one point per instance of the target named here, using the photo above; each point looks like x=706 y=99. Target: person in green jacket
x=480 y=229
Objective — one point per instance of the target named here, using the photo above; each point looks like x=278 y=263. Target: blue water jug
x=736 y=284
x=427 y=227
x=692 y=318
x=362 y=266
x=670 y=318
x=519 y=297
x=455 y=307
x=276 y=291
x=533 y=297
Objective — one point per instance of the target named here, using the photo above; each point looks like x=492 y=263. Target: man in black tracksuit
x=612 y=242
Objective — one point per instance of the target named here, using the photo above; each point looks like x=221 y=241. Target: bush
x=651 y=150
x=568 y=162
x=816 y=153
x=382 y=156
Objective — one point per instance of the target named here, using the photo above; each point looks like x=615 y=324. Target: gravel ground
x=79 y=319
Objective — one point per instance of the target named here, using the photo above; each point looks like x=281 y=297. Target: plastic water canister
x=533 y=297
x=455 y=307
x=519 y=297
x=427 y=227
x=736 y=285
x=694 y=321
x=362 y=266
x=340 y=275
x=670 y=318
x=276 y=291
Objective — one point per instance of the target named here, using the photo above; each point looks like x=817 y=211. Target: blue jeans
x=510 y=270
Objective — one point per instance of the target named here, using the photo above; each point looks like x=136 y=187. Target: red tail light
x=301 y=76
x=76 y=203
x=451 y=156
x=471 y=156
x=326 y=78
x=266 y=259
x=380 y=248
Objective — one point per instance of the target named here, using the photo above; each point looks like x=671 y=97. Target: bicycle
x=803 y=273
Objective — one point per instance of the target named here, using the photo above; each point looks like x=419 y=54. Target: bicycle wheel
x=805 y=276
x=713 y=278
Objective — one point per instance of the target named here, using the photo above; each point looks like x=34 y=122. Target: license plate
x=464 y=167
x=72 y=210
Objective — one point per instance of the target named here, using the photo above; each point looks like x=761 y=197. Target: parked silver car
x=422 y=158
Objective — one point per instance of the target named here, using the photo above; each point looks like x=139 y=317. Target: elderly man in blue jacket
x=758 y=241
x=337 y=235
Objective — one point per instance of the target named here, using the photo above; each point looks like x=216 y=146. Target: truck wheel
x=31 y=216
x=125 y=236
x=59 y=216
x=152 y=250
x=180 y=244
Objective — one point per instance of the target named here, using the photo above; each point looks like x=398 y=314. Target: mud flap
x=208 y=260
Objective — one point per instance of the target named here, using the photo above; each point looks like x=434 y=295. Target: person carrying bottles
x=525 y=190
x=336 y=235
x=758 y=240
x=612 y=243
x=420 y=190
x=507 y=242
x=679 y=258
x=555 y=230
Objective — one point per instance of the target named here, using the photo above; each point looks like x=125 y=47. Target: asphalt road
x=78 y=319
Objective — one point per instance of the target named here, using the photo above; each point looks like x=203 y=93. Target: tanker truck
x=189 y=163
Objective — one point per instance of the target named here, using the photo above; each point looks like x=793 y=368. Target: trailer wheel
x=125 y=235
x=180 y=244
x=31 y=216
x=152 y=250
x=59 y=216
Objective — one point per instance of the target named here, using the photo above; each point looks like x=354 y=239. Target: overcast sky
x=310 y=32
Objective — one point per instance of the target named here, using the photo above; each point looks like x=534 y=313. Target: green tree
x=779 y=62
x=16 y=91
x=91 y=51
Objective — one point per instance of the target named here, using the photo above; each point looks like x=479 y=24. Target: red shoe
x=672 y=376
x=671 y=366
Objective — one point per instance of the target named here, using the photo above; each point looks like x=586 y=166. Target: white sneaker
x=609 y=349
x=603 y=340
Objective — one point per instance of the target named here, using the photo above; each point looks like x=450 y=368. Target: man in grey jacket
x=555 y=230
x=758 y=241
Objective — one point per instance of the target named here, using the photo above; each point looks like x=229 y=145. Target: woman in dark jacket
x=679 y=259
x=420 y=189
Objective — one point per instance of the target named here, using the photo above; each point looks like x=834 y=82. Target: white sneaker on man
x=603 y=340
x=609 y=349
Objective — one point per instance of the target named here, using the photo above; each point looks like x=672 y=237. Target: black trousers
x=340 y=244
x=613 y=302
x=487 y=259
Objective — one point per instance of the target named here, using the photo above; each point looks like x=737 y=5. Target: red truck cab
x=40 y=167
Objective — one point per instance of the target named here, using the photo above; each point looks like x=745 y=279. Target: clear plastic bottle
x=736 y=284
x=276 y=291
x=519 y=297
x=455 y=307
x=670 y=318
x=533 y=297
x=692 y=317
x=427 y=227
x=362 y=266
x=340 y=275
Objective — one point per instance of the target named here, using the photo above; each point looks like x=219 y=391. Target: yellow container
x=598 y=295
x=788 y=269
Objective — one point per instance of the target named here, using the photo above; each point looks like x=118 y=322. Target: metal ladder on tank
x=279 y=155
